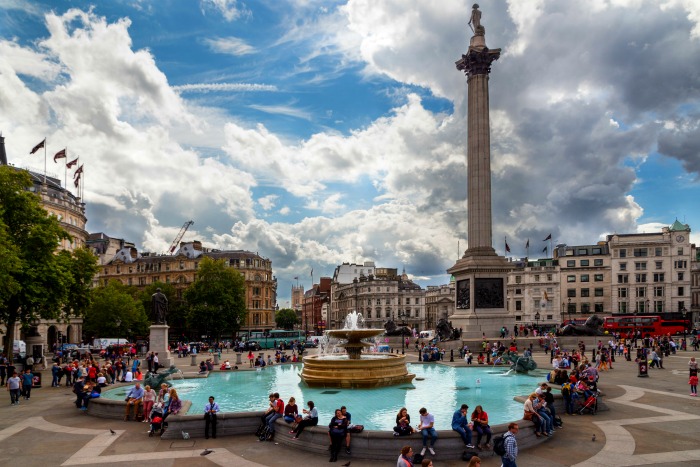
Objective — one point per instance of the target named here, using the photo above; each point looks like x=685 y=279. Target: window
x=518 y=279
x=657 y=251
x=680 y=276
x=584 y=262
x=680 y=264
x=581 y=251
x=518 y=291
x=570 y=292
x=585 y=292
x=585 y=308
x=622 y=278
x=369 y=313
x=640 y=266
x=599 y=308
x=408 y=301
x=598 y=277
x=658 y=277
x=623 y=266
x=598 y=292
x=640 y=277
x=518 y=305
x=659 y=264
x=584 y=278
x=658 y=291
x=597 y=262
x=640 y=292
x=571 y=263
x=597 y=251
x=537 y=277
x=658 y=306
x=640 y=252
x=549 y=277
x=379 y=301
x=417 y=301
x=680 y=251
x=570 y=278
x=623 y=253
x=622 y=307
x=571 y=308
x=681 y=291
x=622 y=292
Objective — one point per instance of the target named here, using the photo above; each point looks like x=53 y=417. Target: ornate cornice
x=478 y=61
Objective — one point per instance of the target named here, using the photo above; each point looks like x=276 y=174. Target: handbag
x=527 y=416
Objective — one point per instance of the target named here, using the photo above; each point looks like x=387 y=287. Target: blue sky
x=320 y=132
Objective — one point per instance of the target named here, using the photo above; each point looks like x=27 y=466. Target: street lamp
x=537 y=320
x=563 y=304
x=683 y=313
x=646 y=308
x=568 y=309
x=119 y=323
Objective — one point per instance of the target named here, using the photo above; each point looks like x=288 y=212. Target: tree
x=35 y=281
x=114 y=310
x=216 y=299
x=286 y=318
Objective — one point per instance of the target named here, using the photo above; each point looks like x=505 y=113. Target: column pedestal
x=159 y=344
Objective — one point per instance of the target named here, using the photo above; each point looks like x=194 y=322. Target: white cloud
x=231 y=10
x=288 y=110
x=224 y=87
x=268 y=202
x=230 y=45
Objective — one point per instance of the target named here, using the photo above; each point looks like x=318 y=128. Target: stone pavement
x=652 y=421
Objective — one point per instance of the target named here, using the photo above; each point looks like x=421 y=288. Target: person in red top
x=480 y=419
x=278 y=411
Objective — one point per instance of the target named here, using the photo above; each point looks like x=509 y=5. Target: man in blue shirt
x=511 y=446
x=27 y=382
x=210 y=411
x=460 y=424
x=134 y=398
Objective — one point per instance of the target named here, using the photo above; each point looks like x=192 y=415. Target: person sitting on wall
x=202 y=367
x=403 y=423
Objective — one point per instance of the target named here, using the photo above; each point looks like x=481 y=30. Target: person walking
x=511 y=445
x=210 y=411
x=27 y=382
x=14 y=386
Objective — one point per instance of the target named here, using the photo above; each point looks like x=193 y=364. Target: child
x=693 y=381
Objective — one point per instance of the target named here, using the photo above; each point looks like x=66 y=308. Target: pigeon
x=593 y=439
x=206 y=452
x=347 y=464
x=112 y=431
x=185 y=435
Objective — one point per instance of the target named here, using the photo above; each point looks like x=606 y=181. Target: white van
x=19 y=348
x=427 y=334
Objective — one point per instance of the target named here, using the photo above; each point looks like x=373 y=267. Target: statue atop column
x=475 y=20
x=159 y=304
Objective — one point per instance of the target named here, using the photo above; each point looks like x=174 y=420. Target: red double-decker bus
x=648 y=325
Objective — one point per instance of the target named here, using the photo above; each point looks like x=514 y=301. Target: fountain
x=354 y=369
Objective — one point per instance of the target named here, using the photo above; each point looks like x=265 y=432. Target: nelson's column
x=480 y=275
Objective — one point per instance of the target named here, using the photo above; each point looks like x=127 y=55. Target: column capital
x=477 y=61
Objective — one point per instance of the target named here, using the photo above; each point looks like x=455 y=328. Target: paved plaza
x=651 y=421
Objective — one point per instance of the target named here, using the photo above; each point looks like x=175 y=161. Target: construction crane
x=181 y=234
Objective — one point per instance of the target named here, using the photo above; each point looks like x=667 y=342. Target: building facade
x=315 y=306
x=532 y=291
x=585 y=273
x=139 y=270
x=439 y=303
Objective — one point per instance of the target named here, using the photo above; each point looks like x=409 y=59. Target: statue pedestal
x=159 y=344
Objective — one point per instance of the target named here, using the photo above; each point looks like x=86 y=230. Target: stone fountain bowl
x=354 y=334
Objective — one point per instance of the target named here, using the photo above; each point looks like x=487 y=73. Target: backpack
x=417 y=459
x=499 y=445
x=566 y=390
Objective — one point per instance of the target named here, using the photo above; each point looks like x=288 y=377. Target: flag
x=77 y=181
x=546 y=297
x=60 y=155
x=545 y=250
x=38 y=146
x=78 y=172
x=527 y=245
x=312 y=272
x=70 y=164
x=507 y=247
x=296 y=278
x=549 y=237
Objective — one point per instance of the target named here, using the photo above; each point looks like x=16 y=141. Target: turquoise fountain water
x=441 y=389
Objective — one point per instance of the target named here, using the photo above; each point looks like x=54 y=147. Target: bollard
x=216 y=358
x=238 y=358
x=452 y=355
x=194 y=360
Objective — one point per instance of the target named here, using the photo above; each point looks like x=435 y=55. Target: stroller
x=156 y=419
x=590 y=405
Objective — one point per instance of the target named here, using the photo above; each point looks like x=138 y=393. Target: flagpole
x=45 y=143
x=527 y=249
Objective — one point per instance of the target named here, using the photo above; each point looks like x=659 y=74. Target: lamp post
x=119 y=324
x=568 y=309
x=402 y=316
x=646 y=308
x=683 y=314
x=537 y=320
x=563 y=305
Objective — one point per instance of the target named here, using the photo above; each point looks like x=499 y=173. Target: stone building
x=439 y=303
x=651 y=272
x=585 y=273
x=378 y=298
x=297 y=300
x=70 y=212
x=533 y=291
x=180 y=269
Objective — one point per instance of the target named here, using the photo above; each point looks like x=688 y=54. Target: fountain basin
x=335 y=372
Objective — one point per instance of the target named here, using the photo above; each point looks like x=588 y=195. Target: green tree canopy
x=36 y=282
x=114 y=310
x=216 y=299
x=286 y=318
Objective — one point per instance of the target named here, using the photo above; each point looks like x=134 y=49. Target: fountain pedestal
x=159 y=343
